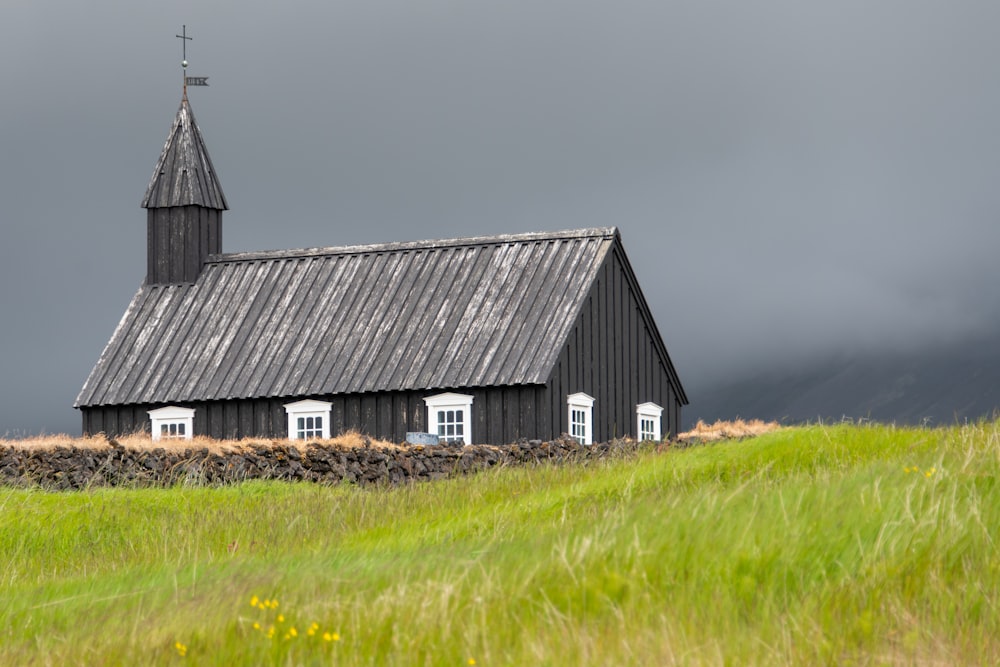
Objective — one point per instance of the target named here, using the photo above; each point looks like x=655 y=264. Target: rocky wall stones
x=70 y=468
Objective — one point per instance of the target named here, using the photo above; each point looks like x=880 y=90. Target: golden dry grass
x=143 y=441
x=727 y=430
x=702 y=432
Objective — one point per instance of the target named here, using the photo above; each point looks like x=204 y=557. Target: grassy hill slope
x=808 y=545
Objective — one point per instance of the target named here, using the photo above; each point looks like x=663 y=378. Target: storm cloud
x=790 y=179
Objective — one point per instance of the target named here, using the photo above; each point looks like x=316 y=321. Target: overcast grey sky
x=789 y=177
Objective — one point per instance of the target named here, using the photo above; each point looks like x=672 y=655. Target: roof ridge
x=430 y=244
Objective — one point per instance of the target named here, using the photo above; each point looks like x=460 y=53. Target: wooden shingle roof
x=401 y=316
x=184 y=175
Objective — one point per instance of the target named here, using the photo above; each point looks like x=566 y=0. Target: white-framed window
x=581 y=418
x=308 y=420
x=647 y=416
x=450 y=417
x=172 y=423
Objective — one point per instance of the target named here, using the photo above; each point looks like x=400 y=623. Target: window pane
x=164 y=429
x=319 y=423
x=180 y=429
x=301 y=423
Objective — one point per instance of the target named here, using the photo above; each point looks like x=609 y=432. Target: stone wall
x=69 y=468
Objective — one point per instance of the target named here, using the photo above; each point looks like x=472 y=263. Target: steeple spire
x=184 y=203
x=184 y=174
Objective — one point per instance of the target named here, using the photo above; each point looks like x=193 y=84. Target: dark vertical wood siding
x=615 y=355
x=500 y=415
x=178 y=241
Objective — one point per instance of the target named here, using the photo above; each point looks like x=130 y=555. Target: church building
x=480 y=340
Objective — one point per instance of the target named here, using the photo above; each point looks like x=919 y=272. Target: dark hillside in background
x=942 y=384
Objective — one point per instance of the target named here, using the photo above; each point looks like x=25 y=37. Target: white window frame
x=651 y=412
x=583 y=404
x=443 y=403
x=308 y=409
x=171 y=418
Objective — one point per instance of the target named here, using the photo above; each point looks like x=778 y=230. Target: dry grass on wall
x=143 y=442
x=702 y=432
x=727 y=430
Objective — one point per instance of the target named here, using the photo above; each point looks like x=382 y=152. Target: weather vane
x=188 y=80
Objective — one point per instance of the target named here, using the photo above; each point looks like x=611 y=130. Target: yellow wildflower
x=253 y=601
x=181 y=649
x=293 y=632
x=472 y=661
x=256 y=626
x=281 y=618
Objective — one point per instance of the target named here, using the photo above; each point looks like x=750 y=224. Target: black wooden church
x=483 y=340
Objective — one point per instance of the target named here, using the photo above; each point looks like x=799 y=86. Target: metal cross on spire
x=185 y=39
x=188 y=80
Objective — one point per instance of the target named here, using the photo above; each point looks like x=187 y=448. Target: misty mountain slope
x=939 y=385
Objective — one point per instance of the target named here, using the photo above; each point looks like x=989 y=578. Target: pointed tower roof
x=184 y=175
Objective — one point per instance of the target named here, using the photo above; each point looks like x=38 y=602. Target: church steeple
x=184 y=200
x=184 y=203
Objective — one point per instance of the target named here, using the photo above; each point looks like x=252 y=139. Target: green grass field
x=814 y=545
